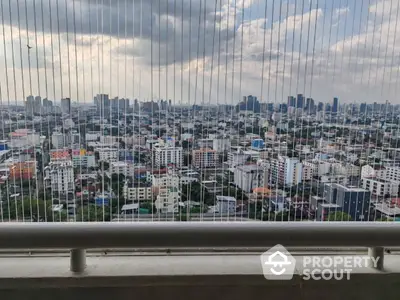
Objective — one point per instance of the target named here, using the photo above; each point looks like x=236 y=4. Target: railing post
x=377 y=253
x=78 y=260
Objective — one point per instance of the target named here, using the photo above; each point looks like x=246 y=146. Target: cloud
x=203 y=51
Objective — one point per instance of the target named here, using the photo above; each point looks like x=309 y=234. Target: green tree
x=32 y=209
x=282 y=216
x=148 y=205
x=182 y=217
x=57 y=216
x=198 y=209
x=195 y=192
x=93 y=213
x=338 y=216
x=255 y=210
x=382 y=219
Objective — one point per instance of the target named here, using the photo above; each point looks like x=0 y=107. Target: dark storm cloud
x=168 y=25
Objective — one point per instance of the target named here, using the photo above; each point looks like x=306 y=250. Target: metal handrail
x=197 y=234
x=81 y=236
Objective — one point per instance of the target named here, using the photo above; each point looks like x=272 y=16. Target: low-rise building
x=23 y=170
x=249 y=177
x=204 y=158
x=307 y=173
x=221 y=144
x=168 y=200
x=58 y=140
x=83 y=158
x=318 y=167
x=380 y=187
x=168 y=155
x=107 y=154
x=287 y=170
x=137 y=191
x=226 y=204
x=59 y=176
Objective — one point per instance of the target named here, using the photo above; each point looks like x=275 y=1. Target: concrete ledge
x=182 y=277
x=49 y=268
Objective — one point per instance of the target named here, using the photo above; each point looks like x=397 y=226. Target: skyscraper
x=363 y=108
x=291 y=101
x=300 y=101
x=29 y=105
x=123 y=105
x=38 y=105
x=335 y=105
x=310 y=106
x=249 y=103
x=66 y=106
x=136 y=106
x=283 y=108
x=103 y=105
x=328 y=107
x=114 y=103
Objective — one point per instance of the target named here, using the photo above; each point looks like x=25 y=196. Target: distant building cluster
x=256 y=160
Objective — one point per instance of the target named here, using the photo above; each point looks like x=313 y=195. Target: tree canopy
x=339 y=216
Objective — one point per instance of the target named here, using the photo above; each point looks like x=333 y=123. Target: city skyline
x=305 y=100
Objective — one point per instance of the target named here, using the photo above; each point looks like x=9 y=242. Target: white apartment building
x=226 y=204
x=83 y=159
x=381 y=180
x=58 y=140
x=188 y=180
x=307 y=173
x=165 y=155
x=340 y=179
x=221 y=144
x=286 y=170
x=318 y=167
x=168 y=200
x=387 y=173
x=345 y=169
x=373 y=171
x=59 y=176
x=92 y=136
x=164 y=180
x=137 y=192
x=204 y=158
x=86 y=161
x=137 y=140
x=393 y=173
x=109 y=139
x=121 y=167
x=107 y=154
x=239 y=157
x=380 y=187
x=249 y=177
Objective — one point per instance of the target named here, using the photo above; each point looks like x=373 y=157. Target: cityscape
x=116 y=159
x=194 y=149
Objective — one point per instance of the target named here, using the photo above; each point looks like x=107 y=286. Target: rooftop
x=249 y=168
x=226 y=198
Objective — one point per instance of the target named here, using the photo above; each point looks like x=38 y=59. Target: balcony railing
x=77 y=237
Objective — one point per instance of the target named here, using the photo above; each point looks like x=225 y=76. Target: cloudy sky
x=200 y=51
